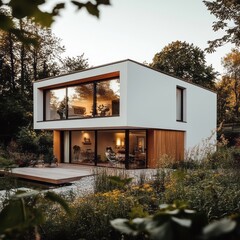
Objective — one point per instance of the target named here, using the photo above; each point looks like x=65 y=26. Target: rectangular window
x=95 y=99
x=107 y=98
x=56 y=105
x=180 y=104
x=80 y=101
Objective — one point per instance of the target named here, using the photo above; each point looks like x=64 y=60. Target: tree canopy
x=227 y=13
x=228 y=89
x=186 y=61
x=70 y=64
x=32 y=9
x=20 y=65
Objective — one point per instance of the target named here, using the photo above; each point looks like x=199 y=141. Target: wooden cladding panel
x=57 y=145
x=164 y=142
x=84 y=80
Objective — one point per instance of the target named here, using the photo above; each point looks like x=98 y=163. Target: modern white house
x=131 y=109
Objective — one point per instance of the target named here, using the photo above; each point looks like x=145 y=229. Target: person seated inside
x=110 y=154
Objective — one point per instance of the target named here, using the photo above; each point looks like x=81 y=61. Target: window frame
x=94 y=115
x=182 y=104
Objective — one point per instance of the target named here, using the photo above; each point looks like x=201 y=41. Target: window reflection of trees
x=57 y=103
x=108 y=95
x=79 y=102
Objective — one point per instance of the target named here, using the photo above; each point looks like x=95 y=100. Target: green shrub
x=27 y=140
x=224 y=158
x=30 y=145
x=90 y=218
x=178 y=222
x=109 y=179
x=215 y=193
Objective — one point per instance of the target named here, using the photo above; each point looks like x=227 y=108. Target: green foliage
x=45 y=142
x=6 y=164
x=22 y=214
x=30 y=146
x=227 y=158
x=27 y=140
x=176 y=221
x=90 y=217
x=228 y=89
x=32 y=9
x=110 y=179
x=227 y=13
x=119 y=183
x=70 y=64
x=216 y=193
x=14 y=115
x=186 y=61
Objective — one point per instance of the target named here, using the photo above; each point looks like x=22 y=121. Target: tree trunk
x=22 y=57
x=13 y=84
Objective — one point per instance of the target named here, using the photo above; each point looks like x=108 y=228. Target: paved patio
x=64 y=173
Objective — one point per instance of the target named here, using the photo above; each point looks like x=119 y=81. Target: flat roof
x=121 y=61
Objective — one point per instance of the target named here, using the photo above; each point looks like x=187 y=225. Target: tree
x=227 y=12
x=26 y=63
x=32 y=9
x=186 y=61
x=229 y=88
x=20 y=65
x=70 y=64
x=224 y=101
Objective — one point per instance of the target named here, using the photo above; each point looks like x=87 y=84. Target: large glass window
x=80 y=101
x=114 y=148
x=82 y=147
x=111 y=148
x=108 y=96
x=137 y=149
x=97 y=99
x=56 y=105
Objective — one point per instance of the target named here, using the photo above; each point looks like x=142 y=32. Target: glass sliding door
x=137 y=148
x=111 y=148
x=83 y=147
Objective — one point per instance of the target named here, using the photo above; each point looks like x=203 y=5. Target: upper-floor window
x=80 y=101
x=100 y=98
x=107 y=98
x=180 y=104
x=55 y=104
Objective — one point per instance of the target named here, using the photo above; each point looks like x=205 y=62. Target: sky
x=137 y=30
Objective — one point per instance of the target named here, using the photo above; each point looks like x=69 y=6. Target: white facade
x=147 y=100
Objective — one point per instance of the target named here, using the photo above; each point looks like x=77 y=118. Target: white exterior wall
x=147 y=100
x=89 y=123
x=152 y=104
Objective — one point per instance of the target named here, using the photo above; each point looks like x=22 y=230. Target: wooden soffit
x=106 y=76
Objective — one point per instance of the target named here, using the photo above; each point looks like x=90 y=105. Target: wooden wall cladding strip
x=164 y=142
x=56 y=145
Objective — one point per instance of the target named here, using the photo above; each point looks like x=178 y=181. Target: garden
x=194 y=199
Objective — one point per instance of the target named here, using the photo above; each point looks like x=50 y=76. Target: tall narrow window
x=180 y=105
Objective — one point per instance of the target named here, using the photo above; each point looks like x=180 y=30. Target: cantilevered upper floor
x=124 y=95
